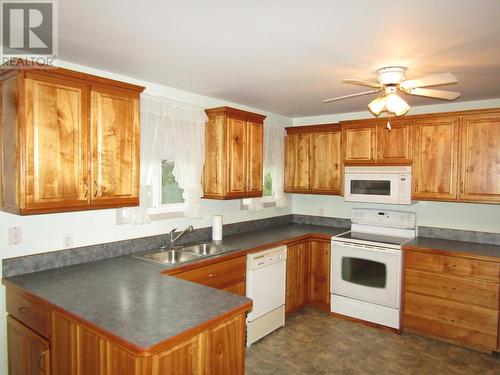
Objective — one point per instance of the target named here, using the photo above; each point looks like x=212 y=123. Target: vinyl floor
x=312 y=342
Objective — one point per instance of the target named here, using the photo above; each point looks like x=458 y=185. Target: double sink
x=183 y=254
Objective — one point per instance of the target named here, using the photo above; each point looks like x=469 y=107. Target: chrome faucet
x=173 y=240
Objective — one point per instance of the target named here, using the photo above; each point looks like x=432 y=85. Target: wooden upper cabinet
x=359 y=143
x=56 y=135
x=297 y=163
x=435 y=166
x=234 y=154
x=395 y=145
x=480 y=158
x=69 y=141
x=313 y=159
x=326 y=162
x=372 y=142
x=115 y=146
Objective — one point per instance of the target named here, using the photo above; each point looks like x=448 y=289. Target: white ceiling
x=286 y=56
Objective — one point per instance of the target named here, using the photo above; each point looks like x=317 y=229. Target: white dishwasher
x=266 y=278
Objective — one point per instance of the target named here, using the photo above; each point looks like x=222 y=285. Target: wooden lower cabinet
x=297 y=276
x=28 y=352
x=319 y=274
x=452 y=298
x=308 y=275
x=218 y=350
x=228 y=275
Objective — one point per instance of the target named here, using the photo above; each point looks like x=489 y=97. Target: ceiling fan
x=390 y=80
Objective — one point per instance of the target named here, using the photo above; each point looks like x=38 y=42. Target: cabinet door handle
x=40 y=361
x=462 y=188
x=86 y=188
x=96 y=189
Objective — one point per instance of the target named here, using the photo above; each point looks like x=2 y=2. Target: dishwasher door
x=266 y=272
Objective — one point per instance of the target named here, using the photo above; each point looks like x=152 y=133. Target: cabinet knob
x=210 y=275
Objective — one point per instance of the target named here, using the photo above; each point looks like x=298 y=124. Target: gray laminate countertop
x=471 y=249
x=131 y=298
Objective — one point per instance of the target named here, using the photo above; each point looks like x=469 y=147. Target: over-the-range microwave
x=391 y=185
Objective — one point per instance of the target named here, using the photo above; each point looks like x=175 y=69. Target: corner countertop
x=131 y=299
x=472 y=250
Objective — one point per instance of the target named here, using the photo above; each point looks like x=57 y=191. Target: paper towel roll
x=217 y=228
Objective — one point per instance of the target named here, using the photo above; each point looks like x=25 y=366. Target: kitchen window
x=166 y=195
x=267 y=193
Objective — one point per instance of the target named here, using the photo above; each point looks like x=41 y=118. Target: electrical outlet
x=15 y=236
x=321 y=211
x=68 y=240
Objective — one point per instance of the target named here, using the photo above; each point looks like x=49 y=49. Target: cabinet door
x=226 y=348
x=359 y=144
x=480 y=151
x=297 y=276
x=236 y=135
x=255 y=156
x=297 y=163
x=435 y=159
x=395 y=145
x=326 y=163
x=185 y=358
x=56 y=142
x=319 y=282
x=115 y=147
x=28 y=352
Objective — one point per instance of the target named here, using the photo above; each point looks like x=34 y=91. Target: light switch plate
x=68 y=240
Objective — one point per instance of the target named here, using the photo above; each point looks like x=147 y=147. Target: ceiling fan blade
x=438 y=94
x=351 y=96
x=361 y=83
x=436 y=79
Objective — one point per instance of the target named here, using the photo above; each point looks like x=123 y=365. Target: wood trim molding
x=234 y=112
x=72 y=74
x=323 y=128
x=367 y=121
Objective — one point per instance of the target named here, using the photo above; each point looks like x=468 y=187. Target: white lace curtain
x=274 y=162
x=175 y=132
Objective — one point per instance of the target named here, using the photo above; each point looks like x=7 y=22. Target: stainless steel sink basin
x=207 y=248
x=170 y=256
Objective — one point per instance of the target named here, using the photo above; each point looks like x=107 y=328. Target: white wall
x=42 y=233
x=467 y=216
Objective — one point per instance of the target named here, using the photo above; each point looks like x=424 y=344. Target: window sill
x=166 y=213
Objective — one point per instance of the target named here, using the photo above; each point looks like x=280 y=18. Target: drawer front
x=452 y=287
x=488 y=271
x=217 y=272
x=467 y=324
x=34 y=315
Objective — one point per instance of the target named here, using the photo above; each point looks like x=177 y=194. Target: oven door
x=367 y=273
x=371 y=187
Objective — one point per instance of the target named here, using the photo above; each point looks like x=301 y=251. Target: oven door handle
x=367 y=247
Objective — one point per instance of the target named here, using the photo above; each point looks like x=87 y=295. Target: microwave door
x=371 y=188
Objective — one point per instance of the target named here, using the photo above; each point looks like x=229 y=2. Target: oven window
x=364 y=272
x=371 y=187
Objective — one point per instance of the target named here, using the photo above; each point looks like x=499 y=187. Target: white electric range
x=366 y=265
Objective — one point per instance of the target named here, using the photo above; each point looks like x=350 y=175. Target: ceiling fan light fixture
x=377 y=105
x=396 y=104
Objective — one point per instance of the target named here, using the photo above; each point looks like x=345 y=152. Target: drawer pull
x=23 y=310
